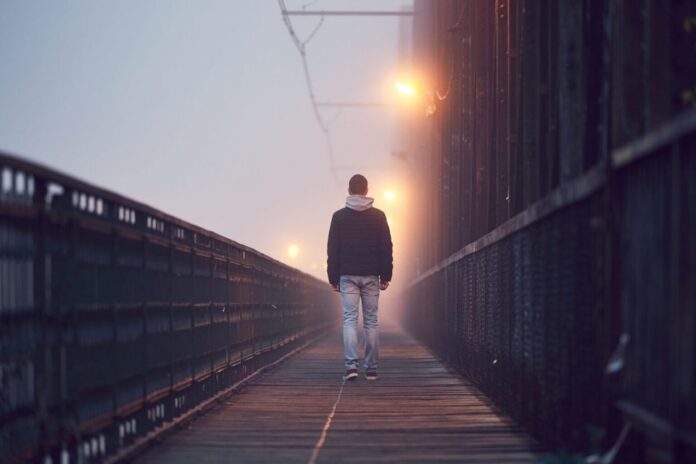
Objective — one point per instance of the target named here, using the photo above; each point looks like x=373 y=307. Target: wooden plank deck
x=416 y=412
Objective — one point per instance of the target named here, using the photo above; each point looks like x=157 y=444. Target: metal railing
x=115 y=318
x=533 y=309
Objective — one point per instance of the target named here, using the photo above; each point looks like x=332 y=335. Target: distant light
x=405 y=89
x=389 y=221
x=389 y=195
x=293 y=251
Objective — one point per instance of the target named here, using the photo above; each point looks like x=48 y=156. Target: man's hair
x=357 y=185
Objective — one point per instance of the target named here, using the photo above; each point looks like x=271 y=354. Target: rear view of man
x=359 y=266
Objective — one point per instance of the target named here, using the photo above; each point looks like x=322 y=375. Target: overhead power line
x=370 y=105
x=346 y=13
x=301 y=48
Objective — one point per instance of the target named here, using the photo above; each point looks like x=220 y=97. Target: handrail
x=48 y=174
x=567 y=194
x=577 y=189
x=650 y=142
x=121 y=318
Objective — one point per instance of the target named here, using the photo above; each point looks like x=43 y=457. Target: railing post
x=42 y=309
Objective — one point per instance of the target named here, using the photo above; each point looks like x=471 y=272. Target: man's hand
x=383 y=285
x=335 y=288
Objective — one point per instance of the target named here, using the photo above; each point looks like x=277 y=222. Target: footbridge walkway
x=128 y=334
x=301 y=411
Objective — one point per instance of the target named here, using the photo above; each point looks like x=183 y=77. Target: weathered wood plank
x=416 y=412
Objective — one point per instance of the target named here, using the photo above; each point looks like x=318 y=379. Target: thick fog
x=201 y=109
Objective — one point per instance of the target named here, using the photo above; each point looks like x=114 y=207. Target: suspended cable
x=304 y=7
x=335 y=117
x=316 y=29
x=301 y=48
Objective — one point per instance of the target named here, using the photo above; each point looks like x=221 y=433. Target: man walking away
x=359 y=266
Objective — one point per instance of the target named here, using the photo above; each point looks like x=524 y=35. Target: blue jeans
x=353 y=289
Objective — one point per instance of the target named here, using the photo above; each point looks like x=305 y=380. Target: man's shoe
x=371 y=375
x=350 y=374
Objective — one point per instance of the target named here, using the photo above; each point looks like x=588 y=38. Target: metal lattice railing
x=116 y=318
x=532 y=310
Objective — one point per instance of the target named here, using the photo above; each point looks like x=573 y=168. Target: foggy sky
x=200 y=108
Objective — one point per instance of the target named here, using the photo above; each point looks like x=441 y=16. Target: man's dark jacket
x=359 y=244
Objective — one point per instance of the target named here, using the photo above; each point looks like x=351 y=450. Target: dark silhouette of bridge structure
x=550 y=309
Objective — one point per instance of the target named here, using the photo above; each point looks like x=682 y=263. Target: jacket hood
x=359 y=202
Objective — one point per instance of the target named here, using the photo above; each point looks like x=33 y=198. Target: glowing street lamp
x=416 y=92
x=293 y=250
x=405 y=88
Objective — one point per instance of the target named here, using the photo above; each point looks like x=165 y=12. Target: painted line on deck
x=327 y=426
